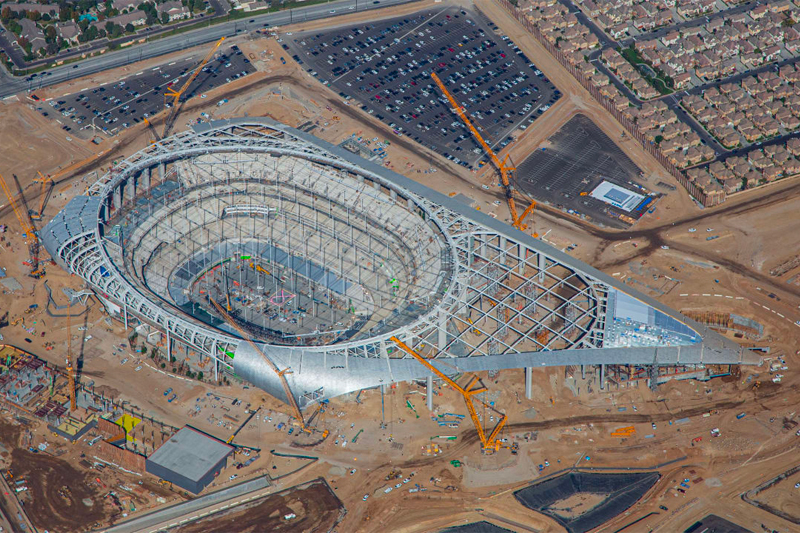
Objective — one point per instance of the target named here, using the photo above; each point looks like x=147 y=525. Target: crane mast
x=506 y=170
x=70 y=367
x=176 y=95
x=27 y=229
x=281 y=373
x=489 y=443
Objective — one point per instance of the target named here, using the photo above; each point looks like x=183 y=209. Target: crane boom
x=44 y=194
x=506 y=170
x=27 y=229
x=489 y=443
x=176 y=95
x=280 y=373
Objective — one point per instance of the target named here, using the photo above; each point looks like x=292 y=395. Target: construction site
x=271 y=303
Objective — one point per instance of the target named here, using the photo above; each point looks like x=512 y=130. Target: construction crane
x=153 y=131
x=28 y=231
x=489 y=443
x=281 y=373
x=176 y=95
x=506 y=170
x=47 y=186
x=70 y=367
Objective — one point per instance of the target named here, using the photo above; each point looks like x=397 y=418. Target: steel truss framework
x=509 y=300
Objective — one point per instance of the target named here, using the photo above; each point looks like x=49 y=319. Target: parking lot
x=386 y=67
x=575 y=161
x=110 y=108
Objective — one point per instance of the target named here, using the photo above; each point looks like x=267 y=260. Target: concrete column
x=130 y=189
x=529 y=382
x=117 y=197
x=429 y=398
x=162 y=171
x=146 y=175
x=541 y=268
x=602 y=377
x=442 y=340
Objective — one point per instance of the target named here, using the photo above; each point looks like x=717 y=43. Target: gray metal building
x=190 y=459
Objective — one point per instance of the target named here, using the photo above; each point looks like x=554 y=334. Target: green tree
x=6 y=14
x=50 y=33
x=129 y=28
x=200 y=376
x=164 y=17
x=659 y=138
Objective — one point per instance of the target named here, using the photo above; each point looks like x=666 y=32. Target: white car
x=692 y=230
x=365 y=497
x=388 y=490
x=398 y=485
x=234 y=476
x=406 y=480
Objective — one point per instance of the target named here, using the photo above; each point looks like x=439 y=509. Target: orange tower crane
x=281 y=373
x=27 y=229
x=176 y=95
x=489 y=443
x=506 y=170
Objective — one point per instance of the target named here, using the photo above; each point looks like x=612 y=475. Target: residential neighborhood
x=42 y=29
x=679 y=71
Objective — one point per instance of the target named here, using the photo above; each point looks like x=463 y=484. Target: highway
x=184 y=512
x=10 y=85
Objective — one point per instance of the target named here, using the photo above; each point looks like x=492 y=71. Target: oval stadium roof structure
x=321 y=257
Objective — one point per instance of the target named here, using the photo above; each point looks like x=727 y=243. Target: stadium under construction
x=247 y=229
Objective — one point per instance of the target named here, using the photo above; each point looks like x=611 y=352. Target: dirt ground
x=48 y=509
x=315 y=506
x=757 y=231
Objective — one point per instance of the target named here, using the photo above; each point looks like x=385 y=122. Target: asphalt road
x=9 y=85
x=181 y=513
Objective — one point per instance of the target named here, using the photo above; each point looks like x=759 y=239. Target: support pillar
x=429 y=398
x=602 y=377
x=117 y=197
x=125 y=312
x=148 y=172
x=162 y=171
x=529 y=382
x=541 y=267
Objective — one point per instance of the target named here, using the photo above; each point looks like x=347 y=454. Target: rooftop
x=191 y=453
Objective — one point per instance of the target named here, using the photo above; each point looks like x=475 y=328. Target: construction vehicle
x=47 y=186
x=176 y=95
x=28 y=231
x=280 y=373
x=490 y=443
x=506 y=170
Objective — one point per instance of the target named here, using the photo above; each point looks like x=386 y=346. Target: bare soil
x=48 y=509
